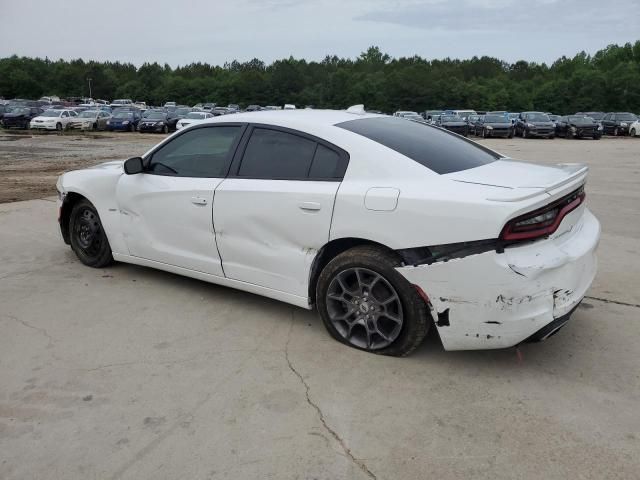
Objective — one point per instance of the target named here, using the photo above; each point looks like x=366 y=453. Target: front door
x=166 y=211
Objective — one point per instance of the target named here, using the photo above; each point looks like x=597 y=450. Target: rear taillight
x=541 y=222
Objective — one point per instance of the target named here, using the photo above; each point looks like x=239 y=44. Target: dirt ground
x=30 y=162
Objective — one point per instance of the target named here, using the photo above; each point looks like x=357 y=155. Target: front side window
x=273 y=154
x=200 y=153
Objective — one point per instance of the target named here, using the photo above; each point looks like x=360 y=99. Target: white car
x=193 y=118
x=53 y=120
x=634 y=129
x=387 y=227
x=90 y=120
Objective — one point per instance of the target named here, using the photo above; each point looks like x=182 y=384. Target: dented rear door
x=273 y=213
x=268 y=231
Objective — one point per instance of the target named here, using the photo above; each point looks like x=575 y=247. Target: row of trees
x=608 y=80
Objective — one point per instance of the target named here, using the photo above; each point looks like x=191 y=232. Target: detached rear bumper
x=492 y=300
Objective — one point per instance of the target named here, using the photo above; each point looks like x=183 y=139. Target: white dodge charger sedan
x=386 y=226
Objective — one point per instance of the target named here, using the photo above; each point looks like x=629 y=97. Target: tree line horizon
x=608 y=80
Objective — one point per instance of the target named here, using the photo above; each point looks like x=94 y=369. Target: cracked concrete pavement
x=130 y=373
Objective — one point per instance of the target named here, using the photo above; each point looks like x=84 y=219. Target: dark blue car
x=124 y=120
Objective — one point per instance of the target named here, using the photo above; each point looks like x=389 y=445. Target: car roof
x=291 y=118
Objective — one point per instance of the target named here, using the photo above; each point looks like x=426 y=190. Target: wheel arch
x=70 y=199
x=332 y=249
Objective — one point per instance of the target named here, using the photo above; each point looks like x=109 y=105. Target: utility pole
x=89 y=80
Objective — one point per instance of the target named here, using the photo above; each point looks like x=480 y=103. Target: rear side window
x=438 y=150
x=327 y=164
x=272 y=154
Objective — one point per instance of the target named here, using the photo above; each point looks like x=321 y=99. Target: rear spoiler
x=577 y=173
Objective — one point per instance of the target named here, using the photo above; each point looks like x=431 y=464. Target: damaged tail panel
x=497 y=300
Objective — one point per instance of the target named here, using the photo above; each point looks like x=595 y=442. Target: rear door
x=166 y=211
x=273 y=213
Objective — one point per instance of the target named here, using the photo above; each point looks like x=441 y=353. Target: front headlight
x=531 y=125
x=158 y=124
x=599 y=127
x=573 y=129
x=489 y=127
x=126 y=122
x=108 y=122
x=623 y=124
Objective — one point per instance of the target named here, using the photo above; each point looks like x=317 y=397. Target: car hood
x=44 y=119
x=498 y=124
x=112 y=165
x=541 y=124
x=15 y=115
x=519 y=180
x=584 y=124
x=454 y=124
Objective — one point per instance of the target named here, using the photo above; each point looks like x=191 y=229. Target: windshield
x=414 y=117
x=123 y=115
x=450 y=118
x=51 y=113
x=21 y=111
x=580 y=119
x=88 y=114
x=625 y=116
x=156 y=116
x=495 y=119
x=183 y=111
x=195 y=115
x=432 y=147
x=537 y=117
x=595 y=115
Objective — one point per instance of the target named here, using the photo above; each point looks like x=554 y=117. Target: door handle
x=198 y=201
x=309 y=206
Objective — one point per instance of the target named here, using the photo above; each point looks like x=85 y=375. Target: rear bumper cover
x=493 y=300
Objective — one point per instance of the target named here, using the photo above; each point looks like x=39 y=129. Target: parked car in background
x=53 y=120
x=429 y=115
x=234 y=107
x=462 y=113
x=122 y=102
x=284 y=211
x=453 y=123
x=272 y=107
x=124 y=120
x=169 y=104
x=404 y=113
x=415 y=117
x=217 y=111
x=175 y=115
x=90 y=120
x=471 y=120
x=534 y=124
x=192 y=118
x=578 y=126
x=494 y=125
x=617 y=123
x=155 y=122
x=634 y=129
x=253 y=108
x=597 y=116
x=553 y=118
x=20 y=117
x=513 y=117
x=3 y=109
x=289 y=106
x=208 y=107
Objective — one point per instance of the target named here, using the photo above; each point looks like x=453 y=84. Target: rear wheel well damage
x=70 y=199
x=331 y=250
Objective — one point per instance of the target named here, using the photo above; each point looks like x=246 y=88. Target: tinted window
x=327 y=163
x=203 y=152
x=275 y=154
x=436 y=149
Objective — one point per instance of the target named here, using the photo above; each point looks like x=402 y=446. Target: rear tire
x=59 y=127
x=366 y=304
x=88 y=238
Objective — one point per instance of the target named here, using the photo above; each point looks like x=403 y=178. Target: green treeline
x=607 y=81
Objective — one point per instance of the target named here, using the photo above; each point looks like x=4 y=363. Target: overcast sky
x=183 y=31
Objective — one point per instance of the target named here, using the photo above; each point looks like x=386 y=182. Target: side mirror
x=133 y=165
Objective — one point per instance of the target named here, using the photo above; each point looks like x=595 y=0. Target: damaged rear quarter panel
x=499 y=300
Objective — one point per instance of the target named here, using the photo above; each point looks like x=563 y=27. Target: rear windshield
x=438 y=150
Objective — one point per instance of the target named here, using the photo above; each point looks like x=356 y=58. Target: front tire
x=59 y=127
x=616 y=132
x=366 y=304
x=632 y=132
x=88 y=239
x=524 y=133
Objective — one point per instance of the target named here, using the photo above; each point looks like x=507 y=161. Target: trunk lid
x=514 y=181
